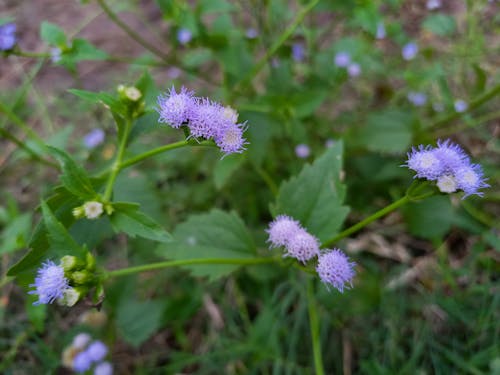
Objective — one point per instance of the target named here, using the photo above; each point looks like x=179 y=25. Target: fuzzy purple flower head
x=460 y=105
x=354 y=70
x=50 y=283
x=7 y=36
x=282 y=229
x=230 y=138
x=175 y=108
x=82 y=362
x=335 y=269
x=425 y=162
x=380 y=33
x=302 y=151
x=94 y=138
x=184 y=36
x=96 y=351
x=298 y=52
x=409 y=51
x=302 y=246
x=103 y=368
x=206 y=119
x=418 y=99
x=342 y=59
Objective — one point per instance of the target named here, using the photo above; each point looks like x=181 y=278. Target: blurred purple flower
x=433 y=4
x=82 y=362
x=103 y=368
x=380 y=33
x=174 y=72
x=230 y=138
x=94 y=138
x=298 y=52
x=470 y=178
x=460 y=105
x=418 y=99
x=50 y=283
x=184 y=36
x=335 y=269
x=302 y=151
x=7 y=36
x=354 y=69
x=409 y=51
x=329 y=143
x=342 y=59
x=252 y=33
x=282 y=229
x=96 y=351
x=55 y=54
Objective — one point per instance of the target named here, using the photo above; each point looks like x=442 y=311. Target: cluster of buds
x=66 y=282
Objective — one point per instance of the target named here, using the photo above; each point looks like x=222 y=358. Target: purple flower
x=302 y=151
x=282 y=229
x=80 y=341
x=302 y=246
x=470 y=179
x=82 y=362
x=103 y=368
x=96 y=351
x=334 y=268
x=409 y=51
x=206 y=118
x=425 y=162
x=354 y=69
x=7 y=36
x=298 y=52
x=175 y=108
x=230 y=138
x=380 y=33
x=451 y=155
x=184 y=36
x=329 y=143
x=50 y=283
x=342 y=59
x=460 y=105
x=55 y=54
x=418 y=99
x=94 y=138
x=251 y=33
x=433 y=4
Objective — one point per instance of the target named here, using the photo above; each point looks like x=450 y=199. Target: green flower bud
x=81 y=277
x=70 y=297
x=78 y=212
x=70 y=262
x=90 y=262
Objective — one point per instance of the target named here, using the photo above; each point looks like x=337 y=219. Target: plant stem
x=314 y=327
x=384 y=211
x=117 y=164
x=186 y=262
x=161 y=149
x=476 y=122
x=16 y=120
x=279 y=42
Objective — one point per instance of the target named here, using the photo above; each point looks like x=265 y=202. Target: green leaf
x=440 y=24
x=261 y=129
x=137 y=320
x=385 y=131
x=52 y=34
x=82 y=50
x=225 y=168
x=15 y=234
x=128 y=219
x=214 y=235
x=315 y=196
x=74 y=177
x=101 y=98
x=60 y=241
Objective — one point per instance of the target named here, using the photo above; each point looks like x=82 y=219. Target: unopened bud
x=69 y=298
x=81 y=277
x=93 y=209
x=90 y=262
x=132 y=93
x=78 y=212
x=230 y=114
x=70 y=262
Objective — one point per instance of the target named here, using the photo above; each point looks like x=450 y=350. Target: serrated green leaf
x=214 y=235
x=74 y=177
x=52 y=34
x=315 y=197
x=128 y=219
x=60 y=241
x=225 y=168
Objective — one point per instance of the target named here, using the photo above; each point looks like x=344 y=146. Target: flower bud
x=90 y=262
x=78 y=212
x=70 y=262
x=70 y=297
x=81 y=277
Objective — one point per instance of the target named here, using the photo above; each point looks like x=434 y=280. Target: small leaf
x=101 y=98
x=61 y=242
x=214 y=235
x=82 y=50
x=315 y=196
x=52 y=34
x=128 y=219
x=74 y=177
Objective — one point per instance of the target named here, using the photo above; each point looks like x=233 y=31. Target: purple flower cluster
x=449 y=166
x=334 y=267
x=204 y=119
x=50 y=283
x=90 y=355
x=343 y=60
x=418 y=99
x=7 y=36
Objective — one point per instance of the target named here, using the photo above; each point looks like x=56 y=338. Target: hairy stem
x=314 y=327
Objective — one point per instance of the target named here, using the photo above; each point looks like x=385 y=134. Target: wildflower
x=94 y=138
x=425 y=162
x=206 y=119
x=230 y=138
x=460 y=105
x=334 y=268
x=251 y=33
x=409 y=51
x=96 y=351
x=50 y=283
x=82 y=362
x=452 y=156
x=174 y=72
x=81 y=340
x=175 y=108
x=184 y=36
x=302 y=246
x=433 y=4
x=380 y=33
x=298 y=52
x=418 y=99
x=55 y=54
x=353 y=69
x=282 y=229
x=302 y=151
x=103 y=368
x=470 y=179
x=342 y=59
x=92 y=209
x=7 y=36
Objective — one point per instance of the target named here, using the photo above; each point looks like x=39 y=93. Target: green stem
x=314 y=327
x=279 y=42
x=478 y=121
x=384 y=211
x=117 y=165
x=473 y=104
x=186 y=262
x=16 y=120
x=161 y=149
